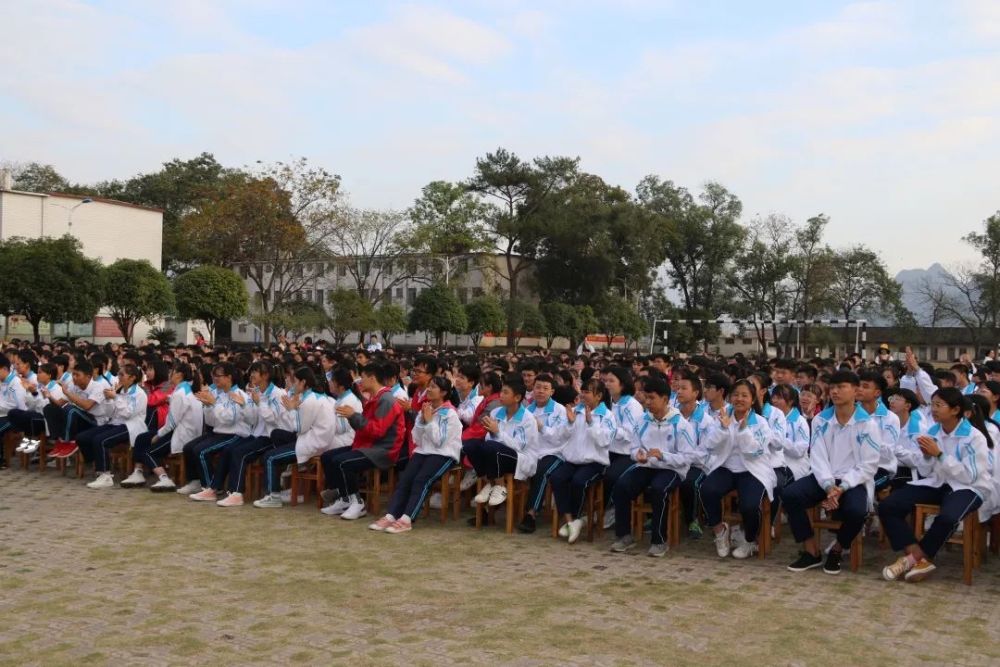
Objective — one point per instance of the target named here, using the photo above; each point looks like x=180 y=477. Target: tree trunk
x=210 y=325
x=476 y=338
x=35 y=329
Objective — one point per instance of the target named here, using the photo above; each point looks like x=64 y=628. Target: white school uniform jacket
x=38 y=402
x=266 y=415
x=888 y=426
x=343 y=434
x=315 y=423
x=442 y=435
x=796 y=447
x=745 y=449
x=467 y=406
x=553 y=418
x=226 y=415
x=12 y=394
x=129 y=409
x=906 y=450
x=185 y=419
x=589 y=443
x=920 y=383
x=776 y=420
x=520 y=433
x=673 y=436
x=627 y=412
x=964 y=464
x=94 y=391
x=704 y=427
x=849 y=453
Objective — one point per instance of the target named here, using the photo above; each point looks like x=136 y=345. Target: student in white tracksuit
x=913 y=424
x=956 y=476
x=437 y=433
x=185 y=422
x=870 y=392
x=589 y=430
x=628 y=412
x=550 y=415
x=126 y=420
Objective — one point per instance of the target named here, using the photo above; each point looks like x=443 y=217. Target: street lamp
x=71 y=209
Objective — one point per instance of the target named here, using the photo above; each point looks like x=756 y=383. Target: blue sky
x=883 y=115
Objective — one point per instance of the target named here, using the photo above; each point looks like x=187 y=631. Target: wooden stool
x=373 y=489
x=176 y=468
x=449 y=496
x=517 y=497
x=594 y=504
x=674 y=517
x=969 y=539
x=312 y=472
x=731 y=516
x=254 y=480
x=121 y=458
x=857 y=545
x=26 y=458
x=11 y=439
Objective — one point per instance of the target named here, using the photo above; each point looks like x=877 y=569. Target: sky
x=883 y=115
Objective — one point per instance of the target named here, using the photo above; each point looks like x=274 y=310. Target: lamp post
x=69 y=217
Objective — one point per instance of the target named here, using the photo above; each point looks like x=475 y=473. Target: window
x=308 y=295
x=399 y=294
x=747 y=341
x=319 y=296
x=297 y=271
x=464 y=265
x=341 y=270
x=962 y=351
x=242 y=328
x=387 y=295
x=730 y=341
x=477 y=292
x=387 y=268
x=244 y=271
x=411 y=295
x=935 y=353
x=463 y=295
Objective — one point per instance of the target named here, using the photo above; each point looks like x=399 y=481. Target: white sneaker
x=609 y=518
x=271 y=500
x=498 y=495
x=435 y=501
x=194 y=486
x=20 y=448
x=564 y=530
x=286 y=496
x=104 y=481
x=722 y=544
x=163 y=484
x=468 y=480
x=745 y=550
x=137 y=478
x=575 y=527
x=484 y=494
x=32 y=446
x=355 y=511
x=338 y=507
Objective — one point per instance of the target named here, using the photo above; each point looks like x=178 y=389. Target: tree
x=560 y=321
x=390 y=320
x=958 y=299
x=437 y=310
x=701 y=239
x=655 y=305
x=349 y=311
x=812 y=273
x=616 y=316
x=446 y=220
x=49 y=279
x=36 y=177
x=862 y=284
x=523 y=319
x=987 y=274
x=210 y=294
x=484 y=315
x=586 y=324
x=298 y=317
x=135 y=291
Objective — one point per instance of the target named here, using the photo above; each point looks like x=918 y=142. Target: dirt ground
x=129 y=577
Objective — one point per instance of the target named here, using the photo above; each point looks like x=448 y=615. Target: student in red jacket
x=158 y=390
x=489 y=387
x=378 y=442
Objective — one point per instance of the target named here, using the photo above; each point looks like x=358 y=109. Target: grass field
x=129 y=577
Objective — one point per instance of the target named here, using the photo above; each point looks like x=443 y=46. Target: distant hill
x=912 y=282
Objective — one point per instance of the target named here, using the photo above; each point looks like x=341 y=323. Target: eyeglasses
x=219 y=375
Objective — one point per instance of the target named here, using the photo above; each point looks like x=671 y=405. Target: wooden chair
x=517 y=498
x=674 y=517
x=969 y=539
x=451 y=496
x=11 y=439
x=121 y=459
x=373 y=488
x=594 y=505
x=857 y=545
x=730 y=505
x=176 y=468
x=312 y=471
x=254 y=481
x=26 y=458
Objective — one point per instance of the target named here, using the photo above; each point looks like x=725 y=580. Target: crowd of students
x=802 y=434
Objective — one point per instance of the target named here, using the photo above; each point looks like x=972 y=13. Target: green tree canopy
x=437 y=310
x=618 y=317
x=135 y=291
x=484 y=315
x=49 y=279
x=349 y=312
x=523 y=319
x=210 y=294
x=390 y=320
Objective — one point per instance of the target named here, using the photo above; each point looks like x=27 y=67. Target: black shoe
x=832 y=565
x=805 y=561
x=527 y=524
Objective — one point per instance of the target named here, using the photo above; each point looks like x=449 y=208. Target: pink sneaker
x=400 y=526
x=232 y=500
x=382 y=523
x=204 y=495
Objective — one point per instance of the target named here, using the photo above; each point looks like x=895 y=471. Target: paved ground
x=128 y=577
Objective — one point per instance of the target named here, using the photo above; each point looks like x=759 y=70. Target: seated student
x=588 y=431
x=739 y=460
x=158 y=388
x=905 y=406
x=263 y=413
x=843 y=454
x=663 y=450
x=437 y=432
x=956 y=470
x=870 y=395
x=379 y=431
x=185 y=422
x=126 y=420
x=310 y=416
x=31 y=421
x=489 y=389
x=223 y=410
x=704 y=425
x=550 y=415
x=627 y=412
x=510 y=444
x=716 y=390
x=85 y=407
x=12 y=397
x=792 y=448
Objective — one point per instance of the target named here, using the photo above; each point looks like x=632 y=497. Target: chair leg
x=968 y=548
x=509 y=482
x=479 y=506
x=765 y=529
x=320 y=485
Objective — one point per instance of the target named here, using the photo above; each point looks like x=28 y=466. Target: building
x=108 y=230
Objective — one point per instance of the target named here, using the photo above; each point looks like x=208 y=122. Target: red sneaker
x=71 y=449
x=57 y=450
